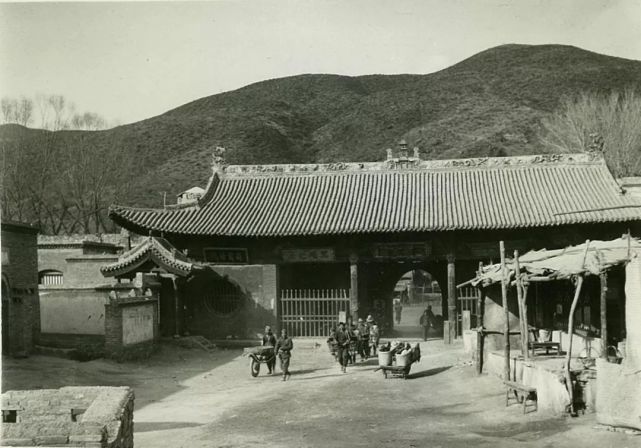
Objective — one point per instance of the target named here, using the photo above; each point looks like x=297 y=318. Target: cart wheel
x=254 y=367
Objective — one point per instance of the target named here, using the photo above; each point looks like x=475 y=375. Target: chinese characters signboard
x=401 y=250
x=308 y=255
x=225 y=255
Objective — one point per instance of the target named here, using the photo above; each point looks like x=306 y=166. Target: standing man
x=270 y=340
x=398 y=308
x=342 y=346
x=363 y=339
x=427 y=321
x=283 y=348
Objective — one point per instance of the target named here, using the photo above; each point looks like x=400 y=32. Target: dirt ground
x=193 y=398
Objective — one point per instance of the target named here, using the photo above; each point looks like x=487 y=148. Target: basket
x=384 y=358
x=614 y=355
x=404 y=360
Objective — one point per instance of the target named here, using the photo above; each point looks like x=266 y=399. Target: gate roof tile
x=397 y=195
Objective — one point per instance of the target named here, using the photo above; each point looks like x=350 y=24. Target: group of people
x=282 y=349
x=345 y=342
x=350 y=339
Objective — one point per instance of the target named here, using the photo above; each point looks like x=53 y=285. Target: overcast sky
x=130 y=61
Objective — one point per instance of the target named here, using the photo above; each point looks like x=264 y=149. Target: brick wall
x=20 y=276
x=70 y=416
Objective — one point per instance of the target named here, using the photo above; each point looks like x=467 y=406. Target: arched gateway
x=308 y=243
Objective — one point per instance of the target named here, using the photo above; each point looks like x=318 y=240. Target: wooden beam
x=506 y=328
x=604 y=314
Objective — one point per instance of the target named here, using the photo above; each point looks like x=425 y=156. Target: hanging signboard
x=401 y=250
x=308 y=255
x=225 y=255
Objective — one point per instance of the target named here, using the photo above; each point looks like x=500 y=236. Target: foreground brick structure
x=70 y=416
x=20 y=306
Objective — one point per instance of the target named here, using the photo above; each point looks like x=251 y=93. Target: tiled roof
x=158 y=250
x=398 y=195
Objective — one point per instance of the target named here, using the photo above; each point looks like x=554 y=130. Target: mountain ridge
x=489 y=104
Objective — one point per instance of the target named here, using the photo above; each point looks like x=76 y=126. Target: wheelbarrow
x=259 y=355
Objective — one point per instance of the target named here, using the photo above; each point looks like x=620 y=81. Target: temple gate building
x=295 y=245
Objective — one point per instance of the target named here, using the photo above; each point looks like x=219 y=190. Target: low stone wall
x=72 y=311
x=552 y=395
x=70 y=416
x=618 y=395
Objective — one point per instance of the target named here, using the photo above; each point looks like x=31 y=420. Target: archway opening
x=416 y=292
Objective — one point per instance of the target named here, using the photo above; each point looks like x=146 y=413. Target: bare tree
x=616 y=118
x=8 y=106
x=63 y=182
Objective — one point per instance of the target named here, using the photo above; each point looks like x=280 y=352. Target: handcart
x=259 y=355
x=397 y=365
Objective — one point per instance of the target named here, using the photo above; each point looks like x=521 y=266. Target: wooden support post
x=568 y=357
x=480 y=309
x=451 y=298
x=604 y=314
x=506 y=328
x=353 y=277
x=522 y=313
x=525 y=320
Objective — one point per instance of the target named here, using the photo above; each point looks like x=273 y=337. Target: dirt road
x=190 y=398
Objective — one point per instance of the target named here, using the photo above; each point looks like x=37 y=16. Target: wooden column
x=177 y=311
x=480 y=309
x=506 y=328
x=353 y=277
x=568 y=356
x=451 y=300
x=604 y=314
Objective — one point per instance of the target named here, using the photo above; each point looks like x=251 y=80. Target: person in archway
x=269 y=339
x=283 y=348
x=342 y=346
x=427 y=321
x=398 y=309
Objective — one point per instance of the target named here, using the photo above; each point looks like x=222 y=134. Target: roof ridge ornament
x=218 y=158
x=403 y=160
x=596 y=144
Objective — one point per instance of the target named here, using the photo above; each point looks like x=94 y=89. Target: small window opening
x=75 y=413
x=9 y=416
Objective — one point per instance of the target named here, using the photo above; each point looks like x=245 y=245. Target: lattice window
x=50 y=278
x=223 y=299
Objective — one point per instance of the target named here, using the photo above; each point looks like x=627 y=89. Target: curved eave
x=147 y=251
